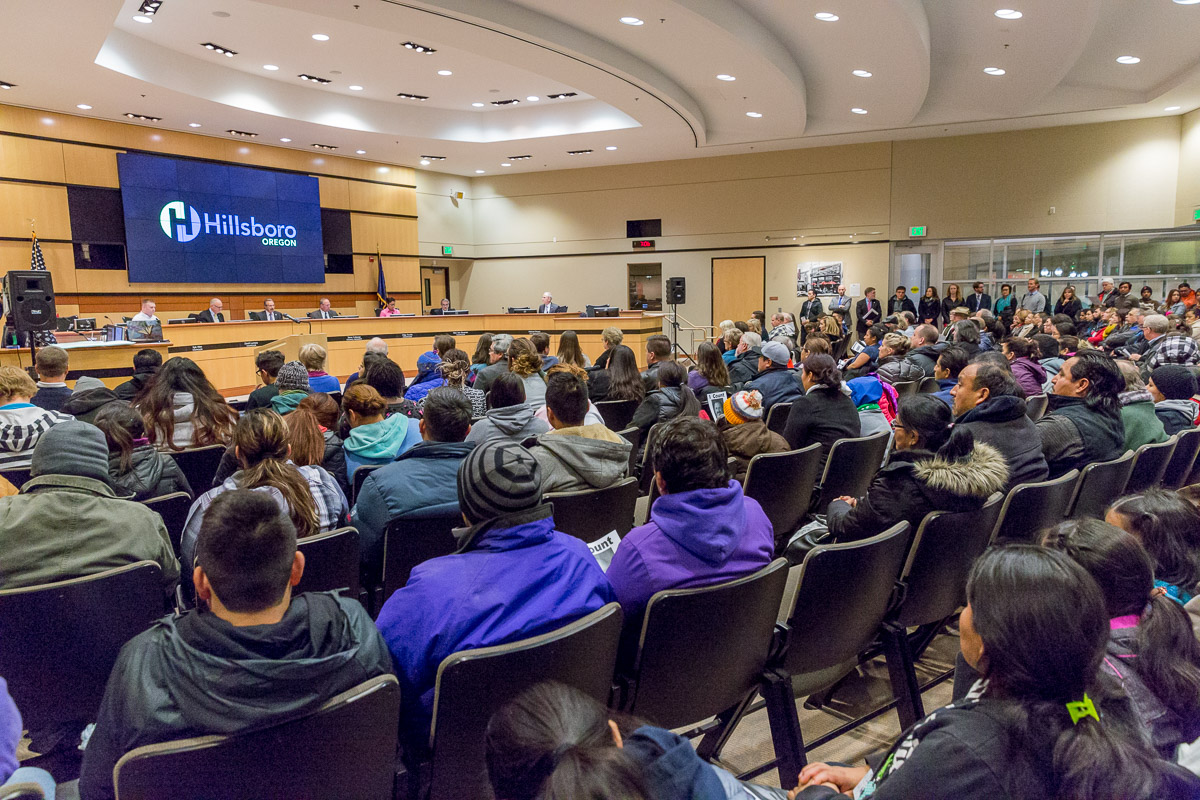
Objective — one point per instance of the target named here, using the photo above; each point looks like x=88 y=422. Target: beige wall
x=1187 y=197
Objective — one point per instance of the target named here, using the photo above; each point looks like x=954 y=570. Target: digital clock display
x=642 y=243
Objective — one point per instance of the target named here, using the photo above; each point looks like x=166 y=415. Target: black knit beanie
x=1175 y=381
x=498 y=478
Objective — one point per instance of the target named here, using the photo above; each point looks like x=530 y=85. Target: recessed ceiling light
x=858 y=111
x=193 y=124
x=478 y=105
x=861 y=73
x=142 y=18
x=533 y=98
x=754 y=114
x=506 y=164
x=1009 y=13
x=479 y=171
x=724 y=77
x=424 y=162
x=1128 y=60
x=321 y=37
x=825 y=16
x=1176 y=108
x=285 y=139
x=1187 y=2
x=361 y=152
x=445 y=73
x=632 y=21
x=993 y=70
x=611 y=147
x=84 y=106
x=270 y=67
x=354 y=87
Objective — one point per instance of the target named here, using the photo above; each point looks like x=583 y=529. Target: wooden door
x=737 y=287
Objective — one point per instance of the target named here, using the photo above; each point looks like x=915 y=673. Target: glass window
x=1168 y=254
x=645 y=287
x=967 y=262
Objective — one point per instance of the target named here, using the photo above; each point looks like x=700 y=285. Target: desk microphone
x=289 y=317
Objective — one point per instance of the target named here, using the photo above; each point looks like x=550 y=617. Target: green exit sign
x=918 y=230
x=447 y=250
x=1196 y=215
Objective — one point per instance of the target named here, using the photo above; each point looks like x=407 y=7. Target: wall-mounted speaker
x=676 y=290
x=30 y=300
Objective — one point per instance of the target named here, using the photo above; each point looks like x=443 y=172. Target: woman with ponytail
x=554 y=742
x=1151 y=650
x=312 y=432
x=934 y=467
x=309 y=495
x=456 y=369
x=1039 y=725
x=133 y=463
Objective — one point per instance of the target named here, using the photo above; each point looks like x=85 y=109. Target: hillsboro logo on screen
x=183 y=223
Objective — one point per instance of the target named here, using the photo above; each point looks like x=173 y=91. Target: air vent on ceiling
x=325 y=146
x=418 y=48
x=150 y=7
x=143 y=117
x=434 y=158
x=410 y=96
x=520 y=158
x=578 y=152
x=216 y=48
x=7 y=85
x=243 y=134
x=304 y=76
x=561 y=95
x=505 y=102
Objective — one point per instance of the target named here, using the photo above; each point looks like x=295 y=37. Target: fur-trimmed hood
x=978 y=474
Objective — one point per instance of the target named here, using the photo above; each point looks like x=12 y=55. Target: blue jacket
x=778 y=385
x=380 y=442
x=943 y=394
x=429 y=376
x=424 y=480
x=509 y=583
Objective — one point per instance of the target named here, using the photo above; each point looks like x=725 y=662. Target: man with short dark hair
x=145 y=366
x=252 y=655
x=658 y=350
x=541 y=343
x=267 y=364
x=949 y=364
x=702 y=530
x=775 y=382
x=987 y=402
x=268 y=314
x=925 y=348
x=574 y=455
x=52 y=367
x=420 y=482
x=979 y=300
x=867 y=312
x=900 y=301
x=1082 y=424
x=1123 y=300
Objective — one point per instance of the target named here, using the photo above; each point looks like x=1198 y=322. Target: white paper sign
x=604 y=549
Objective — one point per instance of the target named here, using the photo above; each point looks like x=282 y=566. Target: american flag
x=37 y=260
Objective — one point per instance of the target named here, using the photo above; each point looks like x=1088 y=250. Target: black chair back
x=1179 y=468
x=17 y=476
x=647 y=473
x=199 y=465
x=346 y=748
x=851 y=466
x=617 y=413
x=173 y=508
x=945 y=547
x=1035 y=407
x=929 y=386
x=841 y=594
x=330 y=563
x=360 y=476
x=61 y=639
x=777 y=417
x=1100 y=484
x=782 y=483
x=906 y=388
x=702 y=651
x=1149 y=464
x=474 y=684
x=634 y=437
x=411 y=541
x=1032 y=507
x=592 y=513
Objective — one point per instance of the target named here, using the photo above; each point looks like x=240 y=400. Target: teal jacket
x=286 y=402
x=380 y=442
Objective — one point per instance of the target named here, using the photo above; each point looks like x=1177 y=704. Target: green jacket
x=63 y=526
x=1142 y=426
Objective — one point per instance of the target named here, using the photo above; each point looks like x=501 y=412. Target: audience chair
x=592 y=513
x=410 y=541
x=346 y=748
x=1100 y=484
x=782 y=483
x=330 y=563
x=777 y=417
x=360 y=475
x=851 y=466
x=199 y=465
x=1179 y=468
x=474 y=684
x=1149 y=464
x=646 y=476
x=1030 y=508
x=929 y=386
x=17 y=476
x=1035 y=406
x=337 y=398
x=701 y=652
x=934 y=589
x=634 y=437
x=617 y=413
x=173 y=508
x=833 y=606
x=61 y=640
x=907 y=388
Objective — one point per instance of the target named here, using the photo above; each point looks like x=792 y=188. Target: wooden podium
x=290 y=345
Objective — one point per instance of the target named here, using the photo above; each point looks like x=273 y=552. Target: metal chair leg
x=785 y=727
x=903 y=675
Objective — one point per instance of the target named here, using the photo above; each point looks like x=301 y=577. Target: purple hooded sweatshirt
x=695 y=538
x=1030 y=374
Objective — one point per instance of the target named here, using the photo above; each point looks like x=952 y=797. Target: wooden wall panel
x=400 y=274
x=335 y=192
x=30 y=159
x=382 y=199
x=370 y=234
x=59 y=260
x=90 y=166
x=20 y=202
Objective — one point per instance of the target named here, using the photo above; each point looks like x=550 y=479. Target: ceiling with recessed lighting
x=527 y=85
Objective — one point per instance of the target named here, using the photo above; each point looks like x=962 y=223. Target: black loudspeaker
x=30 y=300
x=676 y=290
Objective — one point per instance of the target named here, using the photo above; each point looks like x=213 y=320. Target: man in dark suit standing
x=979 y=301
x=547 y=306
x=268 y=314
x=900 y=302
x=212 y=313
x=324 y=312
x=867 y=312
x=812 y=309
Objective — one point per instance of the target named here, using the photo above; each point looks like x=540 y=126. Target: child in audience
x=1169 y=528
x=1036 y=628
x=1151 y=650
x=133 y=463
x=745 y=432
